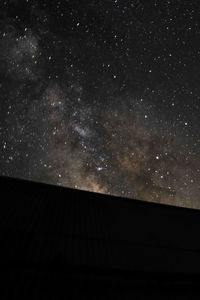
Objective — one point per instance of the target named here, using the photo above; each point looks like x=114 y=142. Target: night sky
x=103 y=96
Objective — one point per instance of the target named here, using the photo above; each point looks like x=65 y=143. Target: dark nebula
x=102 y=96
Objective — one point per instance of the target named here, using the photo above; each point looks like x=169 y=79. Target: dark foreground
x=63 y=243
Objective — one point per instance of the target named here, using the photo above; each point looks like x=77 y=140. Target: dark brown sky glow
x=102 y=96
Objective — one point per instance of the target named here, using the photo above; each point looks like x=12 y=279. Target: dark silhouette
x=59 y=241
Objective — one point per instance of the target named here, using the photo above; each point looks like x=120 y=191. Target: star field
x=102 y=96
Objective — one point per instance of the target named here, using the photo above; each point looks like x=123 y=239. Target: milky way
x=102 y=96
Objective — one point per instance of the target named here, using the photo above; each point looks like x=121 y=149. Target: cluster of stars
x=103 y=97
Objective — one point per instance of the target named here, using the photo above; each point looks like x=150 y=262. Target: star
x=102 y=98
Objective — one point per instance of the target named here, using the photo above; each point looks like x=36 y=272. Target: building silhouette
x=56 y=241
